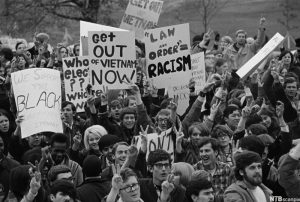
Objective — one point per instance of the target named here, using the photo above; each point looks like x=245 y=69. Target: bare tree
x=208 y=9
x=288 y=14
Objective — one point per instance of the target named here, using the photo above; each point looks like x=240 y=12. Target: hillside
x=236 y=14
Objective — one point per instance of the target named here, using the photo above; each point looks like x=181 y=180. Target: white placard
x=112 y=59
x=252 y=64
x=168 y=55
x=141 y=15
x=38 y=98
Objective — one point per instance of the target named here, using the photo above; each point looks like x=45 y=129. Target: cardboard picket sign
x=252 y=64
x=141 y=15
x=37 y=95
x=168 y=54
x=197 y=73
x=76 y=78
x=85 y=27
x=112 y=56
x=156 y=141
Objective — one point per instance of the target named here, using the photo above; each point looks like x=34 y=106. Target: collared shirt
x=221 y=178
x=226 y=157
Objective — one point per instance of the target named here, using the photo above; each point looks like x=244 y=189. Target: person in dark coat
x=93 y=188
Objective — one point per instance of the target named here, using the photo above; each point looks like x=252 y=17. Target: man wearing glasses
x=125 y=187
x=160 y=187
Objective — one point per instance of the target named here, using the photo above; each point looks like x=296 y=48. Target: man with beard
x=219 y=172
x=240 y=52
x=58 y=156
x=160 y=186
x=248 y=187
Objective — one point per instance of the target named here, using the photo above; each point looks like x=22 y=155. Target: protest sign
x=197 y=73
x=168 y=54
x=252 y=64
x=112 y=59
x=38 y=98
x=85 y=27
x=158 y=141
x=141 y=15
x=76 y=78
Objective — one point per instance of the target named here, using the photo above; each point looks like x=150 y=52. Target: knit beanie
x=107 y=140
x=252 y=143
x=91 y=166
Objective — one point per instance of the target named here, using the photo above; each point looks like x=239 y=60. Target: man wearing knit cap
x=94 y=188
x=248 y=187
x=240 y=52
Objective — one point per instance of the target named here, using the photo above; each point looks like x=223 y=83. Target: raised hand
x=279 y=109
x=167 y=187
x=179 y=138
x=262 y=22
x=77 y=141
x=19 y=120
x=117 y=182
x=144 y=138
x=36 y=178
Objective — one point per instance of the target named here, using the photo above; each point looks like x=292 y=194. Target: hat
x=252 y=143
x=297 y=42
x=55 y=170
x=108 y=140
x=91 y=166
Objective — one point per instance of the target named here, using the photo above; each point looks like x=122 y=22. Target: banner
x=85 y=27
x=197 y=73
x=38 y=98
x=252 y=64
x=141 y=15
x=76 y=78
x=112 y=59
x=168 y=54
x=158 y=141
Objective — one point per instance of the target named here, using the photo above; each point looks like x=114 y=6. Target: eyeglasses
x=161 y=165
x=163 y=120
x=131 y=187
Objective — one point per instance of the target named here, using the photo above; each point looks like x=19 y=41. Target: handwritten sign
x=85 y=27
x=38 y=98
x=158 y=141
x=197 y=73
x=168 y=54
x=113 y=59
x=76 y=78
x=141 y=15
x=252 y=64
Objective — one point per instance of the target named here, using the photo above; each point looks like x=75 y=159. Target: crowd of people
x=239 y=139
